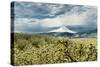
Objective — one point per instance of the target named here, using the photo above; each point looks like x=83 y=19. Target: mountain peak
x=62 y=29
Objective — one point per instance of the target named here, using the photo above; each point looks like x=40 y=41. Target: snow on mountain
x=63 y=29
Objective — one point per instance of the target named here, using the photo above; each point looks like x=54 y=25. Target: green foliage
x=38 y=49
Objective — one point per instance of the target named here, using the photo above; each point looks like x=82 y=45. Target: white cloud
x=71 y=18
x=21 y=24
x=25 y=21
x=54 y=8
x=64 y=20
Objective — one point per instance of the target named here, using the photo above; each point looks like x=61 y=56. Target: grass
x=38 y=49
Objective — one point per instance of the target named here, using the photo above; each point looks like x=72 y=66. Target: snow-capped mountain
x=63 y=29
x=66 y=32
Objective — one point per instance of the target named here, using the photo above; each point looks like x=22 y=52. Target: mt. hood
x=63 y=29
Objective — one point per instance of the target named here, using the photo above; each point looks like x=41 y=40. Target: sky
x=42 y=17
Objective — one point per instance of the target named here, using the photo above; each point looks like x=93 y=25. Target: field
x=38 y=49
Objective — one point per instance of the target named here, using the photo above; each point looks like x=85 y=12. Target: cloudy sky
x=43 y=17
